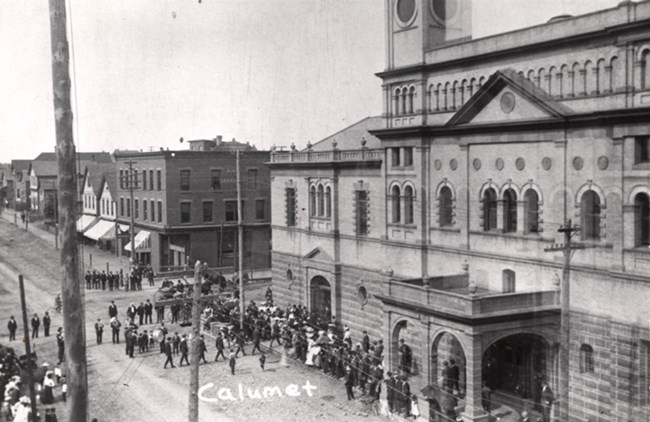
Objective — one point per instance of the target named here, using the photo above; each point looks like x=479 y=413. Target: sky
x=269 y=72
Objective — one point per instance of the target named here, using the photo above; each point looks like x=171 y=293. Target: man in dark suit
x=202 y=349
x=349 y=383
x=365 y=342
x=406 y=396
x=454 y=375
x=148 y=312
x=220 y=346
x=168 y=353
x=140 y=311
x=405 y=357
x=36 y=322
x=46 y=324
x=184 y=350
x=390 y=391
x=112 y=310
x=12 y=326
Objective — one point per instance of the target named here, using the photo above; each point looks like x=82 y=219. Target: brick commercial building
x=185 y=205
x=430 y=223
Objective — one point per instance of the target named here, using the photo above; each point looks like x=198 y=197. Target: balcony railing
x=327 y=156
x=462 y=303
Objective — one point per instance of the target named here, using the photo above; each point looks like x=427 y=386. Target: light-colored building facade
x=437 y=232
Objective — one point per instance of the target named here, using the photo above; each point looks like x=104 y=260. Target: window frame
x=361 y=207
x=188 y=213
x=210 y=210
x=185 y=174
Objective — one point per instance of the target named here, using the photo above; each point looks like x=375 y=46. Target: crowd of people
x=131 y=281
x=16 y=404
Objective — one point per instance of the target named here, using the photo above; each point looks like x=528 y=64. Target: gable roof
x=350 y=137
x=43 y=168
x=21 y=165
x=499 y=80
x=97 y=173
x=97 y=157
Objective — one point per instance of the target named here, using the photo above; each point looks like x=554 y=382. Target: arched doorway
x=447 y=376
x=321 y=298
x=515 y=367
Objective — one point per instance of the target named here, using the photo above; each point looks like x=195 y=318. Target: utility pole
x=193 y=406
x=240 y=247
x=28 y=348
x=132 y=181
x=73 y=315
x=567 y=249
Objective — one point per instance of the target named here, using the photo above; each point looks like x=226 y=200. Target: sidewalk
x=99 y=258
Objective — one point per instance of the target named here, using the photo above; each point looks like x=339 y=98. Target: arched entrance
x=515 y=367
x=320 y=294
x=448 y=377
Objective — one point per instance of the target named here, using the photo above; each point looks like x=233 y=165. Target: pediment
x=508 y=97
x=318 y=254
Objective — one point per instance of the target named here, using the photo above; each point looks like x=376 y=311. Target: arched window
x=645 y=70
x=586 y=358
x=531 y=216
x=509 y=279
x=396 y=99
x=642 y=220
x=408 y=205
x=445 y=204
x=411 y=94
x=312 y=201
x=320 y=199
x=489 y=210
x=590 y=215
x=328 y=202
x=510 y=211
x=395 y=204
x=404 y=100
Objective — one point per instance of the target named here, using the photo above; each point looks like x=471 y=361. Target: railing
x=471 y=304
x=326 y=156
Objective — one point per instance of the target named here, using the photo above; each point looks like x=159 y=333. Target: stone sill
x=498 y=233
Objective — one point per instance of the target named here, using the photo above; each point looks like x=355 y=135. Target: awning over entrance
x=103 y=229
x=142 y=242
x=84 y=222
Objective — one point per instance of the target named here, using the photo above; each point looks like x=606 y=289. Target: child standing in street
x=232 y=360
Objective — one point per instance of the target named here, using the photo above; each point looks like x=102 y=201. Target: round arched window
x=405 y=10
x=289 y=276
x=362 y=295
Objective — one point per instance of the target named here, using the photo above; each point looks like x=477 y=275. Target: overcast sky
x=148 y=72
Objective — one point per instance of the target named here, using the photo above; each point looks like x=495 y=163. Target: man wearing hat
x=36 y=322
x=349 y=382
x=12 y=326
x=202 y=349
x=390 y=391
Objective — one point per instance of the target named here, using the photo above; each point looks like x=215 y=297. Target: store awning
x=142 y=242
x=84 y=222
x=102 y=229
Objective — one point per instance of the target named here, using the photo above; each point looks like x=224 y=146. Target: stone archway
x=515 y=366
x=450 y=384
x=320 y=293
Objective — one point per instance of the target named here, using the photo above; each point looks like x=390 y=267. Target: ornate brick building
x=431 y=222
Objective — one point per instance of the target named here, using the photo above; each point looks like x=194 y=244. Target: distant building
x=44 y=175
x=185 y=205
x=98 y=219
x=436 y=231
x=20 y=170
x=7 y=190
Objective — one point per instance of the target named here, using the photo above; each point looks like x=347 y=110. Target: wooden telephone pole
x=567 y=249
x=73 y=316
x=240 y=252
x=193 y=406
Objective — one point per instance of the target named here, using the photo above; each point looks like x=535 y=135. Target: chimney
x=218 y=139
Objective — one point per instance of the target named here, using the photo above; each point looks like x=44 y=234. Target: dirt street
x=139 y=389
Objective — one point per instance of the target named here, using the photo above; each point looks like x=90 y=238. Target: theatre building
x=436 y=222
x=184 y=205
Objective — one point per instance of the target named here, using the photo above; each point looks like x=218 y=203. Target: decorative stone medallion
x=603 y=162
x=547 y=163
x=520 y=163
x=499 y=163
x=476 y=164
x=437 y=164
x=405 y=11
x=578 y=163
x=508 y=102
x=453 y=164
